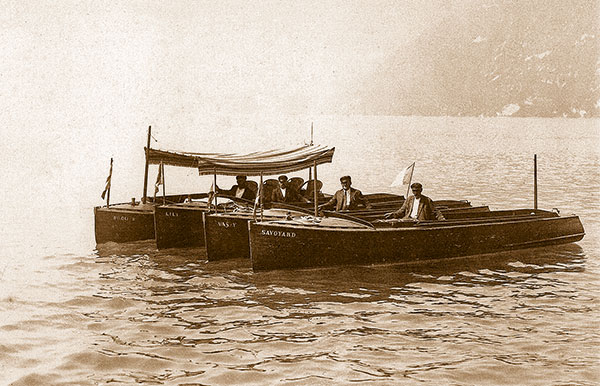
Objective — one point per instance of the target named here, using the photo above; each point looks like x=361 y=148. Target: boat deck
x=341 y=221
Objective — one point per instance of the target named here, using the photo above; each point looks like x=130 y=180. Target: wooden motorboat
x=182 y=225
x=133 y=221
x=125 y=222
x=227 y=233
x=306 y=242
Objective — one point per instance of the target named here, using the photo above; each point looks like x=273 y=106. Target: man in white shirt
x=286 y=192
x=417 y=207
x=240 y=190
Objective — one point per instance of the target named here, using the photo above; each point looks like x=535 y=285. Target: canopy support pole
x=162 y=167
x=145 y=195
x=315 y=192
x=214 y=197
x=535 y=189
x=261 y=197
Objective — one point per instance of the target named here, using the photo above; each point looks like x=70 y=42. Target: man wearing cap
x=240 y=190
x=285 y=192
x=346 y=198
x=417 y=207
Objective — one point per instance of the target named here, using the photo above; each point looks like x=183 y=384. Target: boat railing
x=348 y=217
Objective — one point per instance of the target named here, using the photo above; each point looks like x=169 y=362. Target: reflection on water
x=171 y=317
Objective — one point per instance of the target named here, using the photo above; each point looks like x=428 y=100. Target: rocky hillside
x=519 y=58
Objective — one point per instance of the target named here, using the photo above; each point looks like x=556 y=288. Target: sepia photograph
x=272 y=192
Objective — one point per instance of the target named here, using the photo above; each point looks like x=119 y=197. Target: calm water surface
x=74 y=314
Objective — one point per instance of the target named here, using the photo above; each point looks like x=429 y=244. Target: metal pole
x=162 y=167
x=311 y=143
x=261 y=196
x=215 y=188
x=109 y=184
x=316 y=193
x=535 y=194
x=145 y=195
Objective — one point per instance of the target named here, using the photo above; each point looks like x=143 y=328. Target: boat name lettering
x=171 y=214
x=266 y=232
x=226 y=224
x=120 y=218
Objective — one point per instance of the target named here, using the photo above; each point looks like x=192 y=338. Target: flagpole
x=410 y=179
x=145 y=196
x=311 y=143
x=109 y=184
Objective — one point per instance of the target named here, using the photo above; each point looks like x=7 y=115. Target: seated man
x=346 y=198
x=417 y=207
x=240 y=190
x=286 y=192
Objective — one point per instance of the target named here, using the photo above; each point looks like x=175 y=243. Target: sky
x=81 y=81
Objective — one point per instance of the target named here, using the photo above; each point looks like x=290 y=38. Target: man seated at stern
x=286 y=192
x=417 y=207
x=240 y=190
x=346 y=198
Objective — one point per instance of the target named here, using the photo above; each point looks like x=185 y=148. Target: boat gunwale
x=415 y=227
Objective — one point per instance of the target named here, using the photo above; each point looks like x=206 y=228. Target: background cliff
x=536 y=58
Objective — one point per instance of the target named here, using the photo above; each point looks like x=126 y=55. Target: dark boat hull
x=227 y=234
x=282 y=246
x=226 y=237
x=179 y=226
x=123 y=225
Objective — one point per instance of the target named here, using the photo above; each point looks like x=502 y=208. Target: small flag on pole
x=211 y=193
x=107 y=186
x=159 y=179
x=405 y=176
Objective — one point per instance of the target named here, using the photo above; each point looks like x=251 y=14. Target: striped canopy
x=252 y=164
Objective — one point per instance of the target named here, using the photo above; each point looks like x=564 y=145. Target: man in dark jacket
x=417 y=207
x=285 y=192
x=346 y=198
x=240 y=190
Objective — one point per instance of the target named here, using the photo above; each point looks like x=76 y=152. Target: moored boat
x=227 y=233
x=320 y=242
x=182 y=225
x=132 y=221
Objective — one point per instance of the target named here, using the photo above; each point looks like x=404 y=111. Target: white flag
x=404 y=177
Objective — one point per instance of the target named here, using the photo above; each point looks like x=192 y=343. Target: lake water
x=74 y=314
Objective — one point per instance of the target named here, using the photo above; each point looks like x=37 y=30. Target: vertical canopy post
x=214 y=196
x=145 y=195
x=162 y=167
x=535 y=189
x=315 y=190
x=261 y=196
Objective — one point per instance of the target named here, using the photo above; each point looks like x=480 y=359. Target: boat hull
x=282 y=246
x=226 y=237
x=179 y=226
x=123 y=225
x=227 y=234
